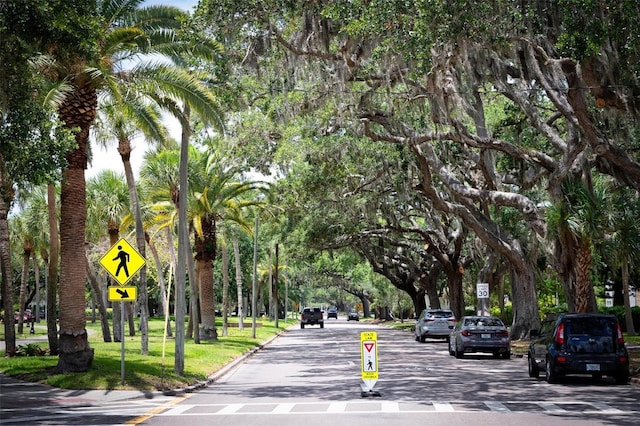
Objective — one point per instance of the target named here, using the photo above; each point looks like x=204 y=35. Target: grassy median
x=149 y=372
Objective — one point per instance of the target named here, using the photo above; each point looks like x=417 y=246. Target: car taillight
x=428 y=319
x=559 y=337
x=503 y=333
x=620 y=336
x=561 y=359
x=465 y=333
x=622 y=359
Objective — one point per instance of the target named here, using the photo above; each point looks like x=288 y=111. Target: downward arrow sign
x=123 y=294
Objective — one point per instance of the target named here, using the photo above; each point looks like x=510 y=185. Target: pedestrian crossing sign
x=369 y=355
x=122 y=261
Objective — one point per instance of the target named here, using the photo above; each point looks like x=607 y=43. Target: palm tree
x=580 y=221
x=216 y=196
x=125 y=33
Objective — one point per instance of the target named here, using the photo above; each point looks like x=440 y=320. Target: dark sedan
x=480 y=334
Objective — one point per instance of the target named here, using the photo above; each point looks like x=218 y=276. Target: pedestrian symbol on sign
x=123 y=256
x=122 y=261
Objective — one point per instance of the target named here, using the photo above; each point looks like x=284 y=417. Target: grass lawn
x=149 y=372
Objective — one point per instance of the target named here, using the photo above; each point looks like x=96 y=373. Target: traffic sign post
x=122 y=262
x=482 y=292
x=369 y=362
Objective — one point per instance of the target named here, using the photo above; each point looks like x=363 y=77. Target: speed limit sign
x=482 y=290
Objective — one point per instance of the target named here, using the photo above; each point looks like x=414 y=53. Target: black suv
x=579 y=344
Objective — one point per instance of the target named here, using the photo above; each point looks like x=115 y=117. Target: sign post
x=122 y=262
x=482 y=292
x=369 y=362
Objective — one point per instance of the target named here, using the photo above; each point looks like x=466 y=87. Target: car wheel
x=301 y=325
x=496 y=354
x=417 y=338
x=458 y=354
x=551 y=376
x=321 y=325
x=506 y=355
x=534 y=371
x=422 y=339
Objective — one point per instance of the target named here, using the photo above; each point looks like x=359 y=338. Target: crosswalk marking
x=383 y=407
x=552 y=408
x=443 y=407
x=496 y=406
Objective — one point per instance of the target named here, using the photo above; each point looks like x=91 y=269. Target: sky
x=109 y=158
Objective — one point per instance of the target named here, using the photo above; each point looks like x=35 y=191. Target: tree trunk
x=628 y=317
x=164 y=302
x=75 y=353
x=52 y=271
x=26 y=257
x=6 y=195
x=225 y=287
x=585 y=300
x=97 y=293
x=77 y=110
x=525 y=301
x=236 y=255
x=124 y=148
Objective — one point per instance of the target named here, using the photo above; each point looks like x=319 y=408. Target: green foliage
x=30 y=349
x=618 y=311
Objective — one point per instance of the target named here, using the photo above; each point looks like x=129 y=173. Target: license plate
x=485 y=336
x=593 y=367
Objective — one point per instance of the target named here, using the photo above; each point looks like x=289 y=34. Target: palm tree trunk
x=97 y=293
x=585 y=296
x=236 y=255
x=26 y=257
x=124 y=148
x=75 y=353
x=628 y=317
x=52 y=270
x=6 y=194
x=78 y=110
x=225 y=288
x=161 y=283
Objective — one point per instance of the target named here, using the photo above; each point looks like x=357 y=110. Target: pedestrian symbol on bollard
x=122 y=261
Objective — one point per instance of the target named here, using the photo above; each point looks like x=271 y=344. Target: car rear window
x=440 y=314
x=483 y=322
x=590 y=335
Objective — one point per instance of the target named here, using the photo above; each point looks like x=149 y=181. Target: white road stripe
x=283 y=408
x=443 y=407
x=337 y=407
x=496 y=406
x=552 y=408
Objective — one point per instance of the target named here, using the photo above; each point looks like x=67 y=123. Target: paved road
x=312 y=376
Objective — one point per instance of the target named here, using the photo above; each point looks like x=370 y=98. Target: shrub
x=30 y=349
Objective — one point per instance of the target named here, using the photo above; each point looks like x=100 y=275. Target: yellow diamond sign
x=122 y=261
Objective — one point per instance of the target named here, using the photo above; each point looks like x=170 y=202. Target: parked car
x=579 y=344
x=480 y=334
x=353 y=316
x=436 y=323
x=332 y=312
x=27 y=317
